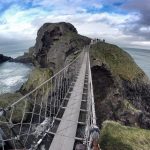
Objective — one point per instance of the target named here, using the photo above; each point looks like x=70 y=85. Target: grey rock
x=4 y=58
x=120 y=100
x=56 y=44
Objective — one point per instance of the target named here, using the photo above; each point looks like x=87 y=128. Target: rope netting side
x=25 y=122
x=91 y=114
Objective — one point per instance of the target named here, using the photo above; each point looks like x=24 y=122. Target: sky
x=122 y=22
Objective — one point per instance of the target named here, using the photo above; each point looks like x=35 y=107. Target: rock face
x=4 y=58
x=121 y=88
x=139 y=95
x=55 y=44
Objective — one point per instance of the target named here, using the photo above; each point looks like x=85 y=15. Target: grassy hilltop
x=121 y=96
x=120 y=62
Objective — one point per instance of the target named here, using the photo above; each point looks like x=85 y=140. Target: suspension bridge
x=57 y=115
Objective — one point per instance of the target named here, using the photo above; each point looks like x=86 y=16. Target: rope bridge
x=57 y=115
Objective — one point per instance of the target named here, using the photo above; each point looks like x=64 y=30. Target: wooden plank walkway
x=65 y=136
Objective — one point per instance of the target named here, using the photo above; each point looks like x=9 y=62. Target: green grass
x=8 y=99
x=120 y=62
x=36 y=77
x=130 y=107
x=115 y=136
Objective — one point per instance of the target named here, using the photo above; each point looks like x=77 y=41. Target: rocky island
x=4 y=58
x=55 y=46
x=121 y=88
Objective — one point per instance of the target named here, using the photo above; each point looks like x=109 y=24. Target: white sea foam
x=12 y=76
x=12 y=81
x=6 y=70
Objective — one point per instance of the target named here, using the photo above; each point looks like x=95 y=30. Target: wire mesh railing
x=24 y=123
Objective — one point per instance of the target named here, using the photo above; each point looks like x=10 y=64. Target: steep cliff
x=121 y=88
x=55 y=45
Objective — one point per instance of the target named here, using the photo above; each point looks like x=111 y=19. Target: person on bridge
x=94 y=138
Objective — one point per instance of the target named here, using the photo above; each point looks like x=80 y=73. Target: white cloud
x=18 y=23
x=145 y=29
x=22 y=24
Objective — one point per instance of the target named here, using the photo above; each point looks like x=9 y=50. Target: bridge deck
x=64 y=138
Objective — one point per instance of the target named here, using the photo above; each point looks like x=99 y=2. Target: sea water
x=13 y=75
x=141 y=57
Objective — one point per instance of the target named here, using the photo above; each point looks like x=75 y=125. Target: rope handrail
x=38 y=108
x=41 y=107
x=92 y=94
x=44 y=82
x=92 y=131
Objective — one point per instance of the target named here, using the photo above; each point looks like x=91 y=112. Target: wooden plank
x=68 y=125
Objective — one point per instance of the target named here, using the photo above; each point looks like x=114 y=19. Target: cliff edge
x=121 y=88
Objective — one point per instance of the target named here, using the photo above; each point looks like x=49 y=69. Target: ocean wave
x=13 y=81
x=12 y=76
